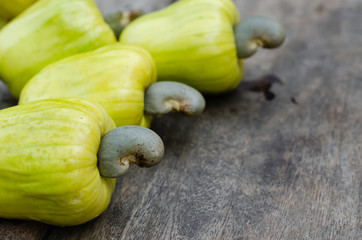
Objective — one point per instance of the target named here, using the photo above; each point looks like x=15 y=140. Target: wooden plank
x=18 y=230
x=250 y=168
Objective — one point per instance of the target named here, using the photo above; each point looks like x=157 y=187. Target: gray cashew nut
x=252 y=32
x=128 y=144
x=164 y=97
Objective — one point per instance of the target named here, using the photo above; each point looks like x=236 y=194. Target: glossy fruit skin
x=48 y=31
x=114 y=76
x=192 y=42
x=48 y=164
x=10 y=9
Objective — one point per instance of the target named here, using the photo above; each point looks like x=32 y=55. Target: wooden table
x=248 y=168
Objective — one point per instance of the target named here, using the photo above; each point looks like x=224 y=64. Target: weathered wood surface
x=250 y=168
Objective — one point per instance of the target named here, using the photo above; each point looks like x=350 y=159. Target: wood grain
x=250 y=168
x=17 y=229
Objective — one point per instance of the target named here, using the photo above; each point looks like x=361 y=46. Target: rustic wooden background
x=248 y=168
